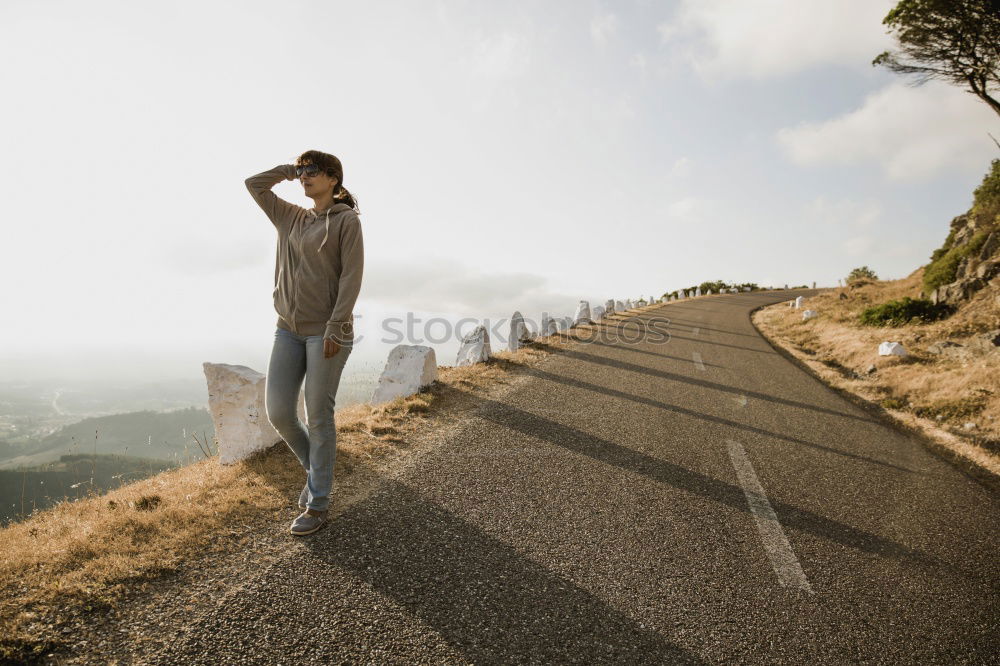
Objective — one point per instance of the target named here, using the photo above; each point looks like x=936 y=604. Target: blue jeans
x=294 y=358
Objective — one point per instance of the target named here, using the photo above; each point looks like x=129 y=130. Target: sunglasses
x=309 y=170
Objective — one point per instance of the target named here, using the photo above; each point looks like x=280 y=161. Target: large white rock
x=475 y=347
x=628 y=304
x=408 y=368
x=798 y=302
x=548 y=325
x=598 y=313
x=609 y=306
x=619 y=306
x=808 y=314
x=563 y=323
x=582 y=315
x=746 y=288
x=517 y=331
x=891 y=349
x=697 y=291
x=708 y=293
x=236 y=401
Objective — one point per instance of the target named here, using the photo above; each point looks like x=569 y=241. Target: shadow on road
x=577 y=383
x=479 y=593
x=608 y=452
x=715 y=386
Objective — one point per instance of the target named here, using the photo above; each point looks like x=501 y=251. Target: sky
x=518 y=155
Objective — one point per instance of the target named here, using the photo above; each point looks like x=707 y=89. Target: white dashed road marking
x=695 y=330
x=779 y=551
x=698 y=363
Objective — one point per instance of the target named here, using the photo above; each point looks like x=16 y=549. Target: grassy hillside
x=948 y=386
x=165 y=436
x=71 y=477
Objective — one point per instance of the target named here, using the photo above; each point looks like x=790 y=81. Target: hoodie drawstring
x=327 y=234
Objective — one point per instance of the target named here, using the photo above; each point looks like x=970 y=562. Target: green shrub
x=940 y=252
x=862 y=273
x=898 y=313
x=894 y=403
x=986 y=198
x=944 y=268
x=952 y=409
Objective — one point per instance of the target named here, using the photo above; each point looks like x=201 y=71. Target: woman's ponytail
x=343 y=196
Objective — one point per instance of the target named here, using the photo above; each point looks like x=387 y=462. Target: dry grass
x=79 y=557
x=936 y=395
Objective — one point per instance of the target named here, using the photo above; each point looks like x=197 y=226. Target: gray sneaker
x=304 y=497
x=307 y=524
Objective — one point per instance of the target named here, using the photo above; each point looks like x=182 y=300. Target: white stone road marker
x=698 y=363
x=779 y=551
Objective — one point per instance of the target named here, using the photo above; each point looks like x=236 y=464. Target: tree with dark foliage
x=952 y=40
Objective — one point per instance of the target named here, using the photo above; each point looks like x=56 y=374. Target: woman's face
x=318 y=185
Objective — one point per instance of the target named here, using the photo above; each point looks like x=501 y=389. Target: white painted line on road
x=695 y=330
x=779 y=551
x=698 y=363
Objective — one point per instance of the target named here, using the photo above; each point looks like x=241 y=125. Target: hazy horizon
x=504 y=157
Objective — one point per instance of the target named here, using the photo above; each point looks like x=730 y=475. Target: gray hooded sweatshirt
x=317 y=272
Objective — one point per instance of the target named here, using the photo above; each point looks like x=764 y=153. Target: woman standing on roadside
x=317 y=278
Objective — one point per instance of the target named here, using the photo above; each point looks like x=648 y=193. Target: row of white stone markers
x=236 y=392
x=411 y=367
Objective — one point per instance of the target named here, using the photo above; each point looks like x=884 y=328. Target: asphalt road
x=691 y=499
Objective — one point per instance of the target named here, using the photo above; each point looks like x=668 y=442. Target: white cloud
x=501 y=55
x=844 y=213
x=446 y=285
x=690 y=210
x=775 y=37
x=602 y=28
x=859 y=245
x=911 y=133
x=855 y=220
x=680 y=169
x=208 y=256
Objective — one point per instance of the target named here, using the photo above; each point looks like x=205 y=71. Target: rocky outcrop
x=984 y=343
x=978 y=245
x=963 y=288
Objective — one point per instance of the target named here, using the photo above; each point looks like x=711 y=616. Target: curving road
x=697 y=499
